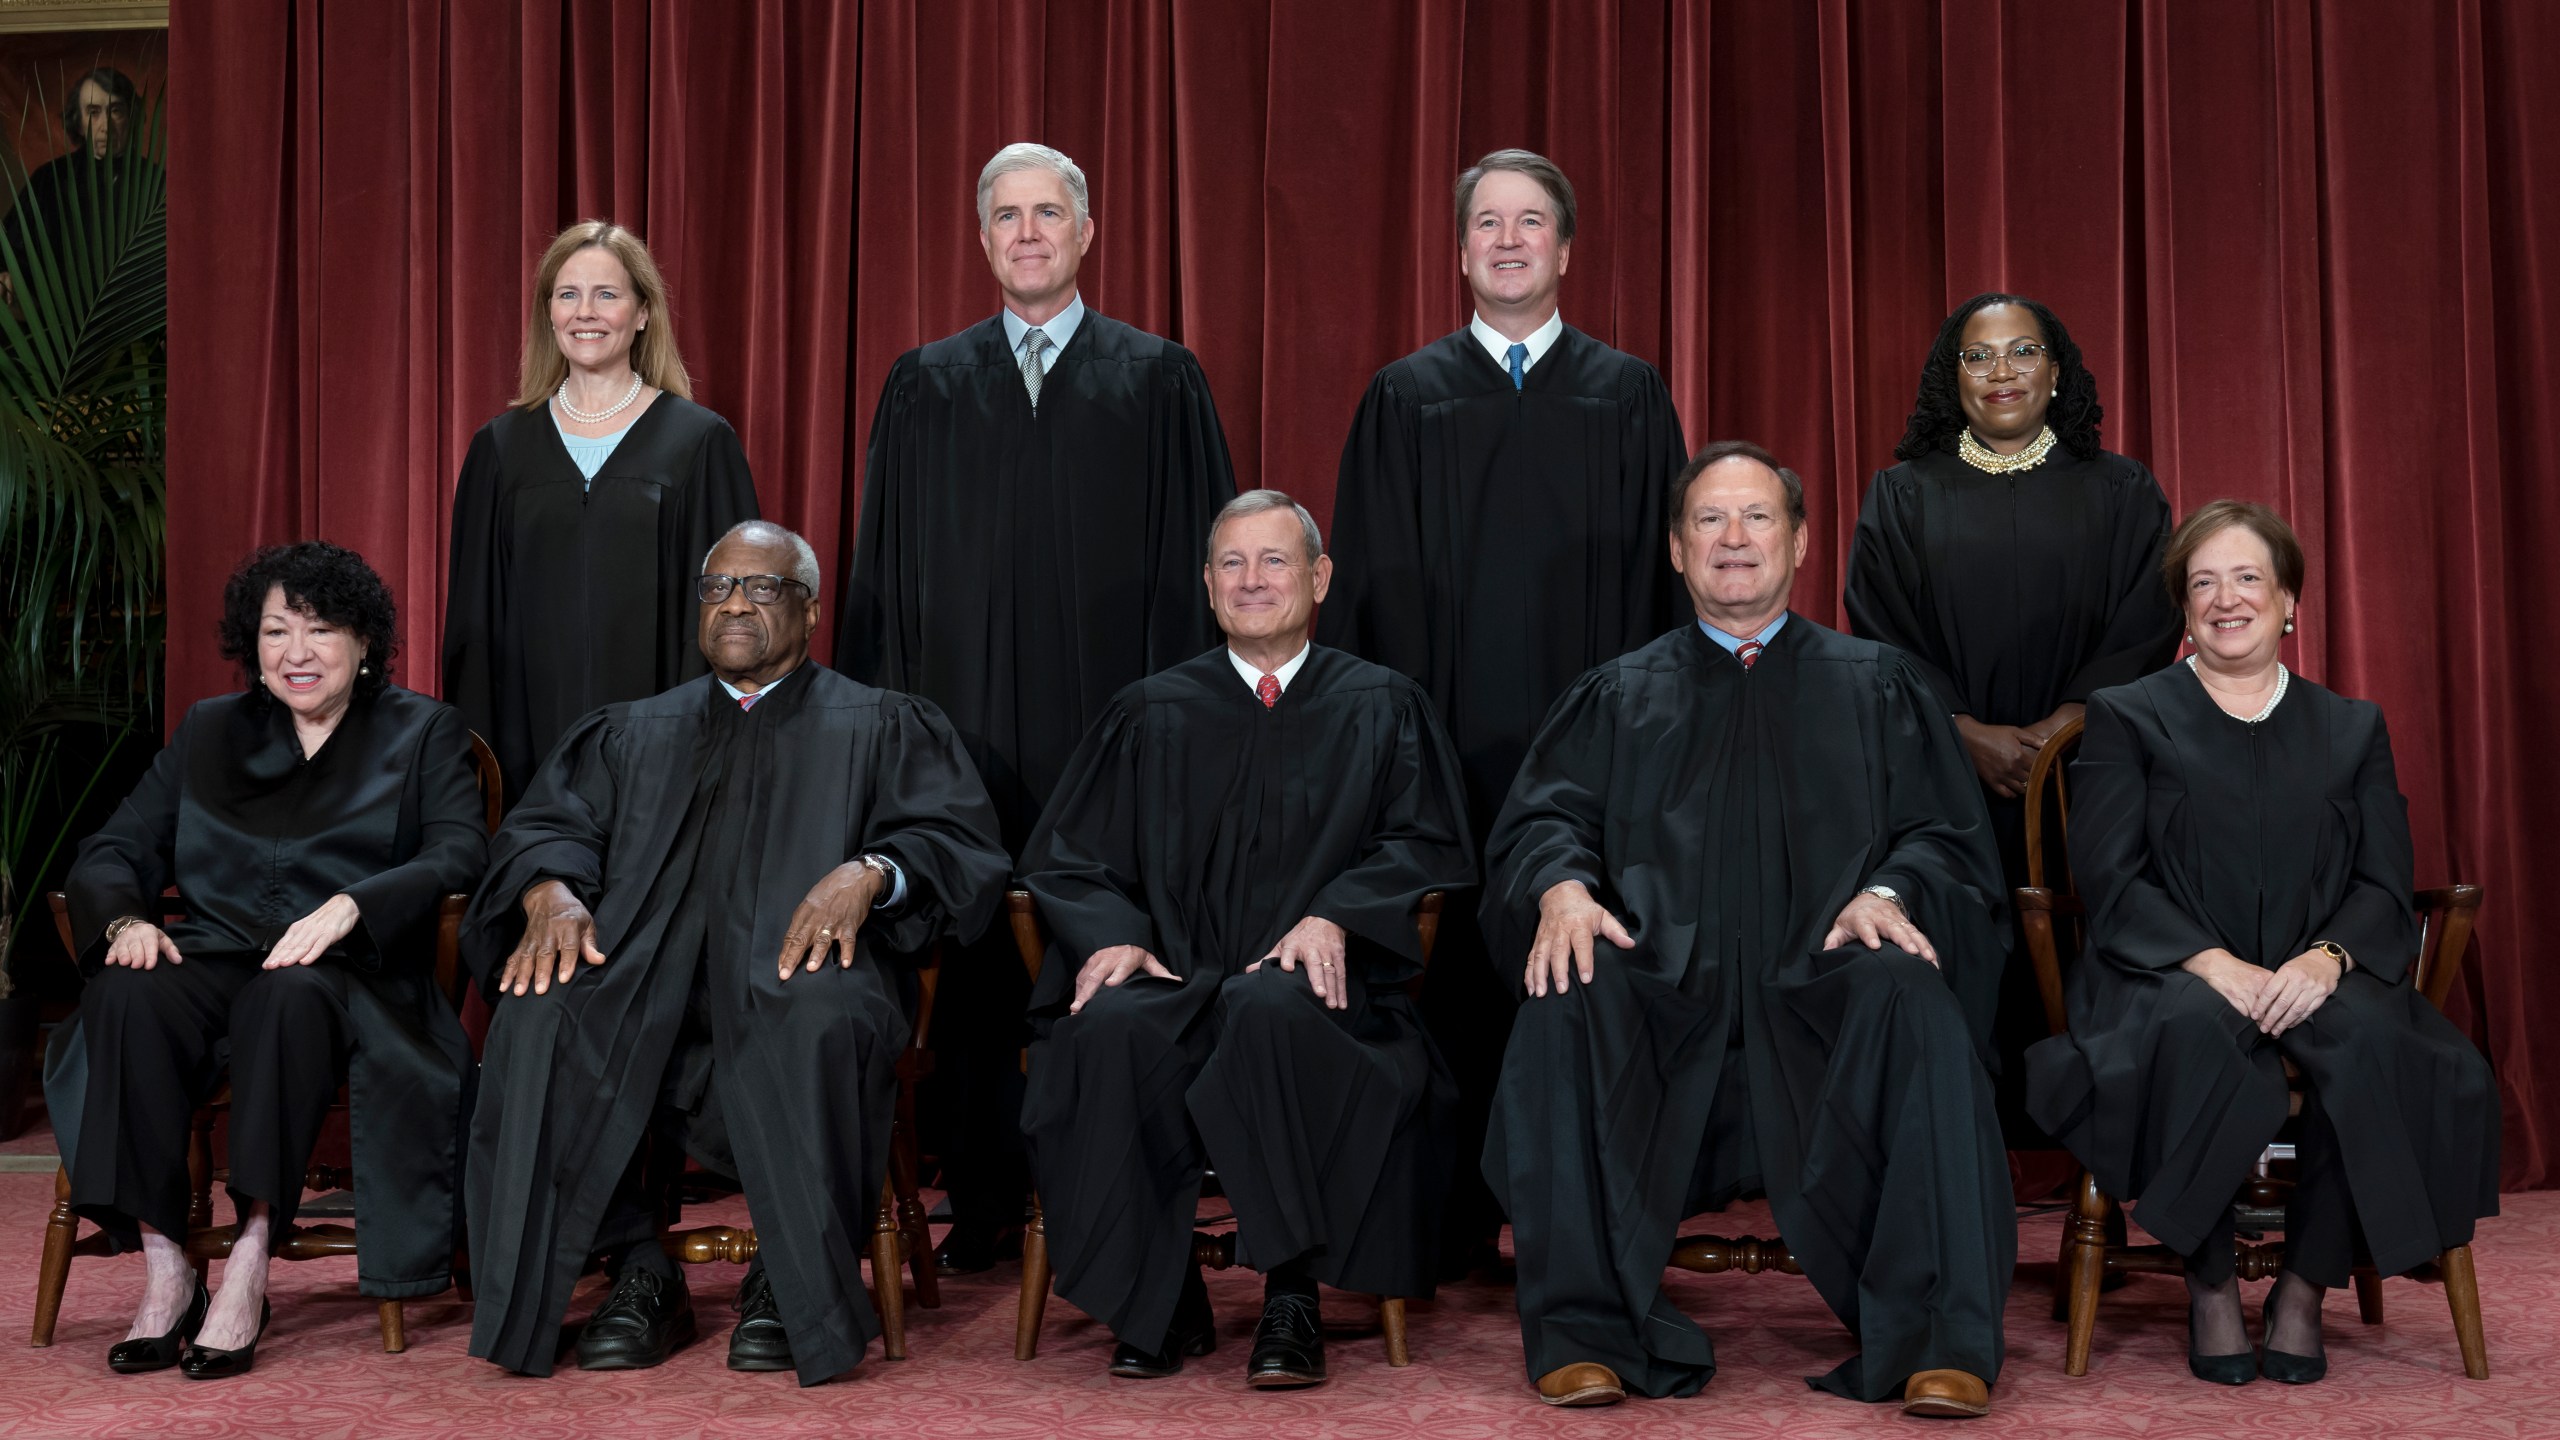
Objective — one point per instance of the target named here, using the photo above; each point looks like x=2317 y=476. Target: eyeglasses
x=761 y=589
x=2025 y=358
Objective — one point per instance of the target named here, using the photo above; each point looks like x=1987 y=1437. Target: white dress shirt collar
x=1060 y=329
x=1498 y=345
x=737 y=694
x=1287 y=672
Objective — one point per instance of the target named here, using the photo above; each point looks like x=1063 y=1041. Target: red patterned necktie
x=748 y=702
x=1749 y=650
x=1268 y=687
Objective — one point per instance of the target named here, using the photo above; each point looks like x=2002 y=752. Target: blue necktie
x=1519 y=366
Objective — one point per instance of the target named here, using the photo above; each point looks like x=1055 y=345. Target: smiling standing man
x=1034 y=488
x=1748 y=886
x=695 y=913
x=1495 y=518
x=1229 y=873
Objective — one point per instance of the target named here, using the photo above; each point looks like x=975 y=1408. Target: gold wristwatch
x=116 y=927
x=2337 y=952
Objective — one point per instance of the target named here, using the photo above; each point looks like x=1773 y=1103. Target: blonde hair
x=653 y=351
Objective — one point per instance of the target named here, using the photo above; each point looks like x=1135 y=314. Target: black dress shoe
x=144 y=1354
x=758 y=1343
x=1288 y=1347
x=972 y=1248
x=203 y=1362
x=640 y=1325
x=1194 y=1333
x=2234 y=1369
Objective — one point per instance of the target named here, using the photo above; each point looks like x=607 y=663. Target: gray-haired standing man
x=1031 y=498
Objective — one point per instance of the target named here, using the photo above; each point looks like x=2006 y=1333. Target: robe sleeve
x=1194 y=480
x=1084 y=863
x=556 y=832
x=1376 y=607
x=475 y=604
x=1417 y=844
x=2142 y=625
x=398 y=906
x=1885 y=592
x=1939 y=855
x=718 y=493
x=2133 y=921
x=1554 y=821
x=122 y=869
x=2373 y=920
x=1657 y=452
x=872 y=642
x=929 y=812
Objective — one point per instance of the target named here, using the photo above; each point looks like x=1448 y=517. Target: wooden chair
x=2093 y=1250
x=899 y=1232
x=207 y=1242
x=1214 y=1249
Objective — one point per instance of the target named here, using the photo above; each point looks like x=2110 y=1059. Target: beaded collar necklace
x=1991 y=462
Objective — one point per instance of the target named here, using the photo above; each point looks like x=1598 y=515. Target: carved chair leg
x=2462 y=1293
x=1391 y=1320
x=1035 y=1284
x=887 y=1291
x=60 y=1230
x=2086 y=1269
x=915 y=1232
x=395 y=1327
x=2369 y=1296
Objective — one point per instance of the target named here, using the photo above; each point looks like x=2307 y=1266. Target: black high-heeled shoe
x=2237 y=1369
x=2282 y=1365
x=144 y=1354
x=203 y=1362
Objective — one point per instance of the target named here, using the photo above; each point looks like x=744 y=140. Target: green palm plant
x=83 y=407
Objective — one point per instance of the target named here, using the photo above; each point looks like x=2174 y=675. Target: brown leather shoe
x=1585 y=1383
x=1946 y=1394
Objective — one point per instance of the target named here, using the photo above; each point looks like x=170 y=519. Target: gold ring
x=823 y=930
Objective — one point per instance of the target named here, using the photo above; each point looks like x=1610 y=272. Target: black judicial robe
x=255 y=837
x=2196 y=830
x=1727 y=817
x=1017 y=568
x=1200 y=825
x=692 y=829
x=563 y=597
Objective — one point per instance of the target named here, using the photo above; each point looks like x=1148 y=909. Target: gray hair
x=804 y=561
x=1255 y=502
x=1024 y=155
x=1521 y=162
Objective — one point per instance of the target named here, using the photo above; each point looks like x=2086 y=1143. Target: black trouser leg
x=2320 y=1232
x=628 y=1233
x=289 y=1033
x=151 y=1037
x=2211 y=1263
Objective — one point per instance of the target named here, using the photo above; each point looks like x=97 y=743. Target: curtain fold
x=2313 y=256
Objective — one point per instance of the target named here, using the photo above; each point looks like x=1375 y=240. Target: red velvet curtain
x=2311 y=251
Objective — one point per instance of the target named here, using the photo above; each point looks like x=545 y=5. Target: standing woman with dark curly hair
x=584 y=511
x=2016 y=561
x=311 y=826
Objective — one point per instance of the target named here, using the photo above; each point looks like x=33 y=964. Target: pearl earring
x=2288 y=626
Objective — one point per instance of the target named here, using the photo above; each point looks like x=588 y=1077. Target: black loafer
x=644 y=1321
x=973 y=1249
x=1288 y=1347
x=144 y=1354
x=1194 y=1333
x=203 y=1362
x=759 y=1342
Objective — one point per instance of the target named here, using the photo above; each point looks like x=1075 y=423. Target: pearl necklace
x=1983 y=458
x=2273 y=701
x=597 y=417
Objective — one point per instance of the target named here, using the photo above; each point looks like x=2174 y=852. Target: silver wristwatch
x=1886 y=893
x=879 y=865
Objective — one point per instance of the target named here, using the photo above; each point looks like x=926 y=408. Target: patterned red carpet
x=320 y=1373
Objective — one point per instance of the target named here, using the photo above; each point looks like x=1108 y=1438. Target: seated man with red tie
x=1229 y=873
x=1748 y=881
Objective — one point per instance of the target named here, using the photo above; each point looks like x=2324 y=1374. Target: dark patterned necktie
x=1749 y=650
x=1268 y=687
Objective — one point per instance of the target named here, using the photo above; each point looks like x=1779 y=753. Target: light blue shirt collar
x=1733 y=643
x=737 y=694
x=1060 y=330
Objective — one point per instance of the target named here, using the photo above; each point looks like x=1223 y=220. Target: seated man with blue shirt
x=697 y=911
x=1747 y=884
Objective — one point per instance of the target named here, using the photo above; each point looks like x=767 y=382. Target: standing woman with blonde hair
x=584 y=510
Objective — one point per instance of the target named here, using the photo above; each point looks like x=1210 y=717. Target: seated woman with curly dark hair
x=311 y=826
